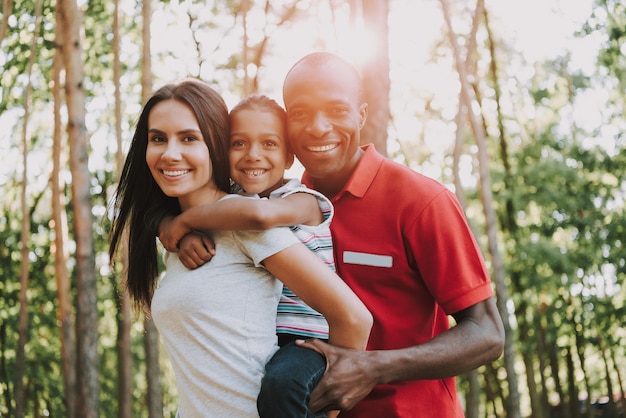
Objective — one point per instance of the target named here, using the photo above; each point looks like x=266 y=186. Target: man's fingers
x=314 y=344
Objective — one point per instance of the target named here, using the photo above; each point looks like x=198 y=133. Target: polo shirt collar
x=365 y=171
x=363 y=175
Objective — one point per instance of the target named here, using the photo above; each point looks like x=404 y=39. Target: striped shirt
x=293 y=316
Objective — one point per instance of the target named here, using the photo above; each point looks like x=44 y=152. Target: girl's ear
x=289 y=158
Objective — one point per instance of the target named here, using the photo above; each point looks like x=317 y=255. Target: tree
x=59 y=250
x=125 y=376
x=375 y=74
x=69 y=18
x=7 y=5
x=466 y=99
x=20 y=393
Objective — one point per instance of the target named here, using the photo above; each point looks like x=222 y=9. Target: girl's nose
x=253 y=153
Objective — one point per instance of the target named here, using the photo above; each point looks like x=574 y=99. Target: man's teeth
x=321 y=147
x=254 y=173
x=175 y=173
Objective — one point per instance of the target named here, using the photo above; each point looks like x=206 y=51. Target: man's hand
x=349 y=377
x=171 y=231
x=195 y=249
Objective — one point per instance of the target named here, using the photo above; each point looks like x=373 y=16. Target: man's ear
x=362 y=115
x=289 y=160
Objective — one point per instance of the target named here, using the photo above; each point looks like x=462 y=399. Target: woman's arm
x=319 y=287
x=242 y=214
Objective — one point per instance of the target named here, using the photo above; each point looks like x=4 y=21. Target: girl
x=259 y=155
x=218 y=321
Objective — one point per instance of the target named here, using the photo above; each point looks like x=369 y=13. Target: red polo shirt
x=403 y=245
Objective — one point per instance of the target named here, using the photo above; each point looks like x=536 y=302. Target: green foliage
x=565 y=251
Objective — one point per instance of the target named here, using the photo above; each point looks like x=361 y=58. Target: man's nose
x=319 y=125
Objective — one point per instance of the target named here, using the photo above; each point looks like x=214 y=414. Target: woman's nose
x=172 y=152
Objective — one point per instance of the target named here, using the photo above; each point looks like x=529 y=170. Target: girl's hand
x=171 y=231
x=195 y=249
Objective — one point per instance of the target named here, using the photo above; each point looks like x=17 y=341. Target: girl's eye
x=270 y=144
x=236 y=144
x=189 y=139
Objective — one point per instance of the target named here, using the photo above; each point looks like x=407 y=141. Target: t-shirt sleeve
x=325 y=205
x=259 y=245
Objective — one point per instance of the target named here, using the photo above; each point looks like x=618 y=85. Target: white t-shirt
x=218 y=323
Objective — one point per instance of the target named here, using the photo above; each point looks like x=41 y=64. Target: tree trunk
x=4 y=374
x=125 y=372
x=376 y=76
x=59 y=215
x=146 y=57
x=543 y=367
x=535 y=399
x=574 y=411
x=151 y=346
x=20 y=355
x=555 y=369
x=154 y=396
x=70 y=18
x=493 y=395
x=502 y=297
x=7 y=5
x=620 y=382
x=472 y=397
x=245 y=55
x=580 y=351
x=607 y=378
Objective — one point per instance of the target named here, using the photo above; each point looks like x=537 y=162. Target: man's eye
x=297 y=114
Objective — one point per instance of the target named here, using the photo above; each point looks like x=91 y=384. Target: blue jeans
x=290 y=377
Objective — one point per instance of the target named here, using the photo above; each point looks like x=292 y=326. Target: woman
x=218 y=321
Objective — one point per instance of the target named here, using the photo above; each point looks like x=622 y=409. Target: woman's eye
x=157 y=138
x=190 y=139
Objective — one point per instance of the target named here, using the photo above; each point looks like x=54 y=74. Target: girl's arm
x=319 y=287
x=241 y=214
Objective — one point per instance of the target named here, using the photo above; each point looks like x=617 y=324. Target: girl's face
x=177 y=155
x=258 y=151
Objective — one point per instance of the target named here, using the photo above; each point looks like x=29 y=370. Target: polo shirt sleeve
x=447 y=255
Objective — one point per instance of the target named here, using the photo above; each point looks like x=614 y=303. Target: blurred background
x=518 y=107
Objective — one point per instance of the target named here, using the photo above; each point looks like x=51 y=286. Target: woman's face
x=177 y=154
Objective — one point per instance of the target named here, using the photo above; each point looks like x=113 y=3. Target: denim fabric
x=290 y=377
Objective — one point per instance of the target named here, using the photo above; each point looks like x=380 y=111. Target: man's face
x=324 y=119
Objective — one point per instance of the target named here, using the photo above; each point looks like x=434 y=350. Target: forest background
x=516 y=106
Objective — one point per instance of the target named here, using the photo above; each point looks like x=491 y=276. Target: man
x=403 y=245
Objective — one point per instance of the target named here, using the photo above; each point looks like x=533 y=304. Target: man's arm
x=476 y=339
x=241 y=214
